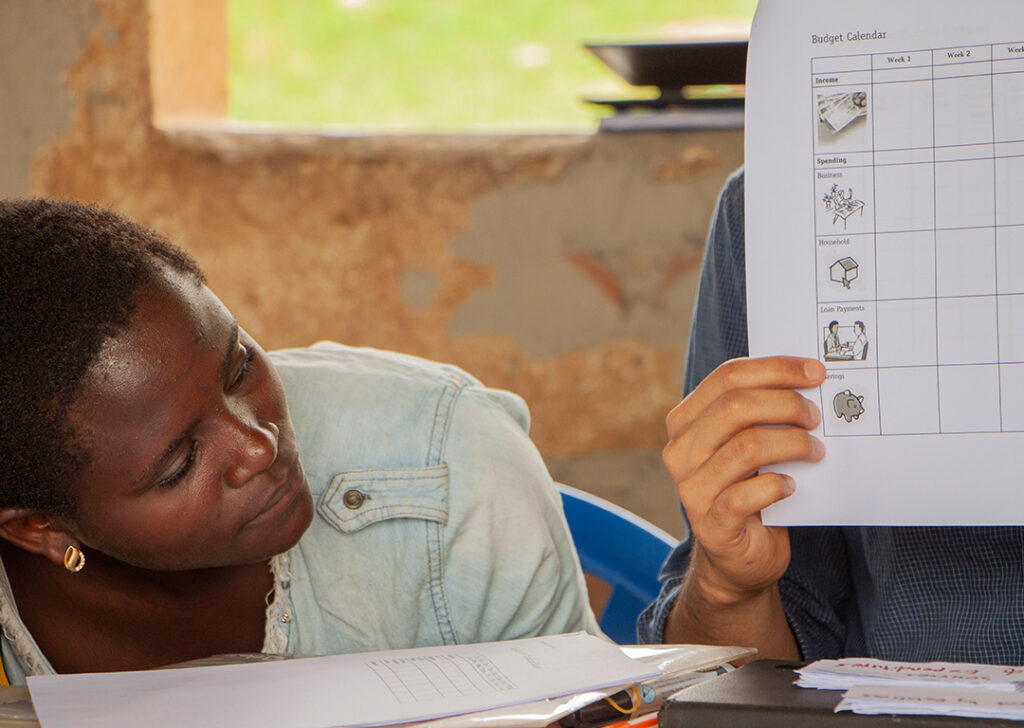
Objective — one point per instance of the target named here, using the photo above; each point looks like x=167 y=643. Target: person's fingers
x=730 y=414
x=778 y=372
x=741 y=457
x=727 y=517
x=743 y=417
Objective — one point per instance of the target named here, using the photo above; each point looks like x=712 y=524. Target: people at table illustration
x=852 y=346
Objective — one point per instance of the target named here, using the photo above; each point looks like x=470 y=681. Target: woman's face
x=193 y=461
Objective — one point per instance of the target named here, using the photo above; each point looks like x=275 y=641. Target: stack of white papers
x=849 y=672
x=366 y=689
x=876 y=687
x=914 y=700
x=680 y=664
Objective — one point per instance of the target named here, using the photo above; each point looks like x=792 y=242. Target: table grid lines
x=918 y=301
x=414 y=679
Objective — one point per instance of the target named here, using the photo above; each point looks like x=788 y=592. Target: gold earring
x=74 y=559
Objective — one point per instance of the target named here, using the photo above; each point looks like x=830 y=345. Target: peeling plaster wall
x=560 y=267
x=609 y=241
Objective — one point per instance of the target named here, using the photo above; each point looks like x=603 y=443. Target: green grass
x=438 y=65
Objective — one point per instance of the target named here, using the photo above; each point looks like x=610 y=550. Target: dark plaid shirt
x=908 y=593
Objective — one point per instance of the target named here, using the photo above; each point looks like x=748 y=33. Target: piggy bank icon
x=848 y=405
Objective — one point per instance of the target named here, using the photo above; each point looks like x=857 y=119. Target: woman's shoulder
x=361 y=408
x=329 y=358
x=364 y=381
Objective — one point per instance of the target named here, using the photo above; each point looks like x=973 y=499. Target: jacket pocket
x=356 y=498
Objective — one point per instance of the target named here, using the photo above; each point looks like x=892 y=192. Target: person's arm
x=757 y=622
x=743 y=418
x=719 y=333
x=510 y=568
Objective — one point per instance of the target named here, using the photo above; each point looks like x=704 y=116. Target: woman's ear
x=36 y=533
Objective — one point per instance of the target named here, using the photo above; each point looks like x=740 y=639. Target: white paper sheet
x=367 y=689
x=852 y=671
x=672 y=660
x=916 y=700
x=885 y=193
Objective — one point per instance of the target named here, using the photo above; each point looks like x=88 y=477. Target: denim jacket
x=436 y=520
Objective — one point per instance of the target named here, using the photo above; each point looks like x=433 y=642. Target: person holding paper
x=897 y=593
x=169 y=491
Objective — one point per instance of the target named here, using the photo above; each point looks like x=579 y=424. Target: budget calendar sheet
x=885 y=237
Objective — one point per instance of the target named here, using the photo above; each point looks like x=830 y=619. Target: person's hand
x=743 y=417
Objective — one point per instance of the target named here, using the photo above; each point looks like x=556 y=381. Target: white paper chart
x=361 y=689
x=893 y=133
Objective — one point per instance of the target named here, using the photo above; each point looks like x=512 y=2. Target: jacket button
x=353 y=499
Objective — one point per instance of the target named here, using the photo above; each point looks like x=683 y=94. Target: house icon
x=844 y=271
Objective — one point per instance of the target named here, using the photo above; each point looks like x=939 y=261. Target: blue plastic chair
x=621 y=549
